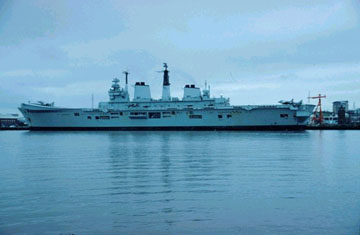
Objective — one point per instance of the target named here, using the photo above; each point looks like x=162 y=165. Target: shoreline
x=247 y=129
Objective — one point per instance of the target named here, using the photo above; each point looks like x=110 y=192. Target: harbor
x=179 y=117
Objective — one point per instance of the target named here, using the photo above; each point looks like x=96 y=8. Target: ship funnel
x=191 y=92
x=166 y=84
x=142 y=92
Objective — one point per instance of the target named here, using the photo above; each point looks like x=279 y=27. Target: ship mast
x=126 y=80
x=166 y=84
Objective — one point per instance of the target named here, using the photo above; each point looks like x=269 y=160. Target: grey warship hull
x=195 y=111
x=277 y=117
x=176 y=128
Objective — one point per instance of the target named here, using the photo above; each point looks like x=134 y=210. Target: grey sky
x=255 y=52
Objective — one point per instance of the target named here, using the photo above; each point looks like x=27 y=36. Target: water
x=180 y=182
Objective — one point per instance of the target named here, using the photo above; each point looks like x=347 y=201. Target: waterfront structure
x=317 y=117
x=354 y=117
x=330 y=118
x=338 y=104
x=195 y=111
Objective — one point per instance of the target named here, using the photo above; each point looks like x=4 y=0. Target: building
x=338 y=104
x=354 y=116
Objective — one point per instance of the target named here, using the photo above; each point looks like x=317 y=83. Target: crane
x=318 y=118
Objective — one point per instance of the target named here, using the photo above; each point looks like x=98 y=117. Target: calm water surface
x=180 y=182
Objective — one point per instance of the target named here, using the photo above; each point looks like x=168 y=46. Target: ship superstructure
x=195 y=111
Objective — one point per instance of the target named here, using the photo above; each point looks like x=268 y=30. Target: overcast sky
x=255 y=52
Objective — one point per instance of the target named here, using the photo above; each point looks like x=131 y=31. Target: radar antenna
x=165 y=66
x=115 y=80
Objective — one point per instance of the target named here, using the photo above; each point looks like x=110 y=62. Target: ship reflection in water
x=180 y=182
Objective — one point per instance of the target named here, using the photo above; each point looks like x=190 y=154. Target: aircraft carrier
x=195 y=111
